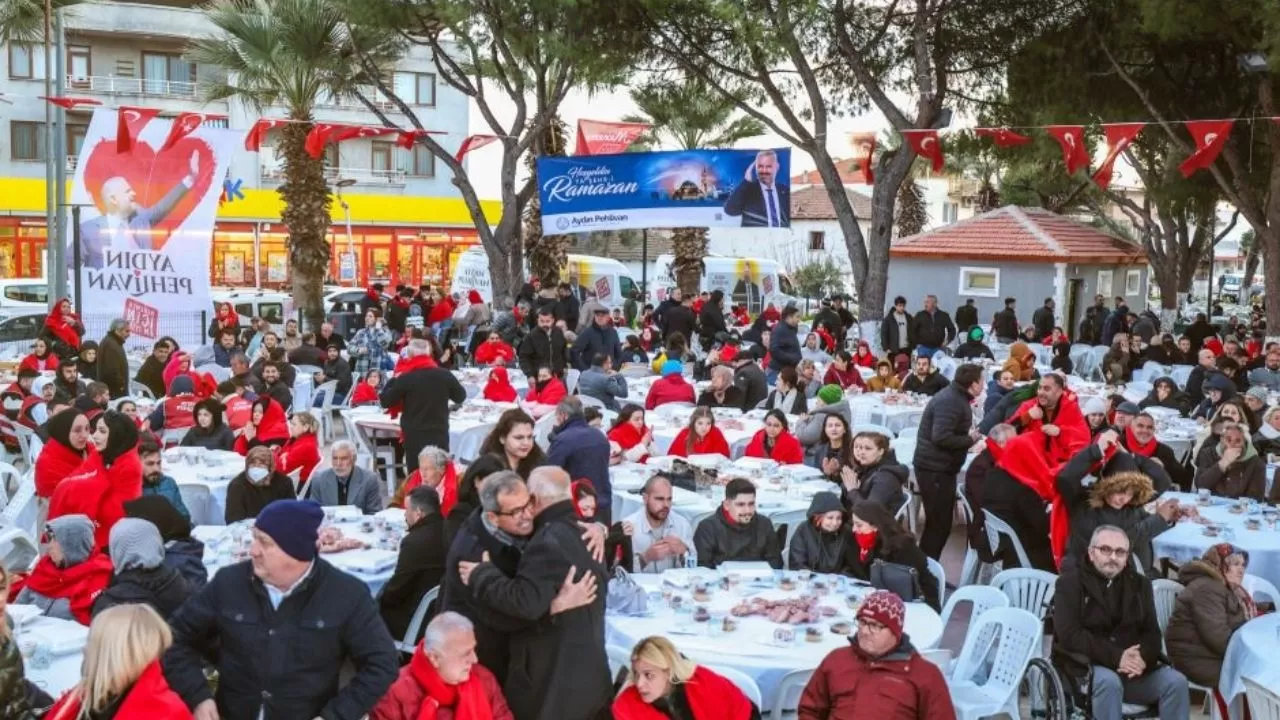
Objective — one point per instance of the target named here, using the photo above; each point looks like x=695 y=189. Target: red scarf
x=55 y=463
x=441 y=311
x=62 y=326
x=1023 y=457
x=274 y=425
x=405 y=366
x=489 y=353
x=447 y=490
x=627 y=436
x=710 y=696
x=551 y=392
x=714 y=442
x=498 y=388
x=364 y=394
x=468 y=699
x=1132 y=445
x=150 y=698
x=786 y=448
x=79 y=584
x=99 y=492
x=866 y=543
x=40 y=364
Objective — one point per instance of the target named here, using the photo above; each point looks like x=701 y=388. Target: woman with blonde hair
x=13 y=698
x=662 y=683
x=121 y=676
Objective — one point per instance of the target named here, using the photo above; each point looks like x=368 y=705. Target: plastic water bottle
x=691 y=559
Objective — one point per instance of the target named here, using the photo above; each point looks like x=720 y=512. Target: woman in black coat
x=819 y=543
x=1165 y=393
x=209 y=432
x=877 y=536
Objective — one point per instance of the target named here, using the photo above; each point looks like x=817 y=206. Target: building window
x=421 y=163
x=817 y=240
x=75 y=138
x=416 y=88
x=79 y=67
x=980 y=281
x=27 y=140
x=1133 y=283
x=381 y=157
x=1104 y=283
x=168 y=74
x=950 y=212
x=21 y=64
x=331 y=156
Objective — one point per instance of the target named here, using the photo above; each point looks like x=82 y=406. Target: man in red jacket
x=880 y=674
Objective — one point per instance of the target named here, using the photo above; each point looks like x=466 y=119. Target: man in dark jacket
x=558 y=670
x=421 y=562
x=544 y=345
x=151 y=373
x=1199 y=331
x=583 y=452
x=113 y=365
x=737 y=532
x=829 y=319
x=1004 y=326
x=749 y=378
x=660 y=312
x=680 y=319
x=966 y=316
x=1205 y=367
x=932 y=327
x=784 y=345
x=273 y=386
x=282 y=625
x=1042 y=319
x=335 y=368
x=946 y=434
x=1104 y=620
x=897 y=336
x=598 y=339
x=1117 y=322
x=711 y=320
x=566 y=307
x=924 y=378
x=423 y=394
x=1095 y=316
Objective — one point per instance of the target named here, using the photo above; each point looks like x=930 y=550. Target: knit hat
x=672 y=367
x=75 y=534
x=135 y=543
x=830 y=394
x=1257 y=392
x=1128 y=408
x=294 y=525
x=885 y=608
x=1095 y=406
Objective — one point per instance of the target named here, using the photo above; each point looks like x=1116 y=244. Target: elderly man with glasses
x=1106 y=636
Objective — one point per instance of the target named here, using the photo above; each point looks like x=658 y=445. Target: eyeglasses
x=870 y=625
x=527 y=507
x=1119 y=552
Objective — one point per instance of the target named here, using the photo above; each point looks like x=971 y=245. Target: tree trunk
x=306 y=214
x=1251 y=261
x=547 y=253
x=912 y=216
x=689 y=246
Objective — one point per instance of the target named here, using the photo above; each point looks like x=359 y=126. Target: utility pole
x=58 y=243
x=50 y=199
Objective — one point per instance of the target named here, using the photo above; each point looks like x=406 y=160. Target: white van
x=273 y=306
x=754 y=281
x=607 y=278
x=22 y=295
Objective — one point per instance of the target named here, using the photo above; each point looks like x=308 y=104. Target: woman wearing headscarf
x=209 y=432
x=179 y=364
x=62 y=329
x=1165 y=393
x=818 y=544
x=225 y=318
x=498 y=387
x=1021 y=362
x=181 y=551
x=1233 y=468
x=87 y=364
x=137 y=556
x=257 y=486
x=69 y=576
x=102 y=485
x=267 y=426
x=1267 y=439
x=66 y=450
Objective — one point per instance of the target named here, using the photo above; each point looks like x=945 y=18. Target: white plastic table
x=1249 y=653
x=1187 y=540
x=66 y=638
x=212 y=470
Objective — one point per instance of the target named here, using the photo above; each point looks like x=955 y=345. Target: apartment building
x=406 y=218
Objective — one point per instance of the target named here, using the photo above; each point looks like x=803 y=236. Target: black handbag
x=901 y=580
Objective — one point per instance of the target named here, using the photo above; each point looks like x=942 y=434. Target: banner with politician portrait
x=147 y=213
x=683 y=188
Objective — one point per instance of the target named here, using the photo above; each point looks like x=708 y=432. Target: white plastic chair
x=571 y=381
x=410 y=639
x=326 y=391
x=742 y=680
x=972 y=566
x=865 y=413
x=18 y=552
x=790 y=687
x=1180 y=374
x=909 y=433
x=542 y=430
x=940 y=574
x=1261 y=586
x=981 y=597
x=1264 y=703
x=793 y=520
x=173 y=436
x=589 y=401
x=997 y=528
x=909 y=512
x=10 y=479
x=1019 y=638
x=137 y=389
x=619 y=660
x=199 y=501
x=873 y=428
x=1166 y=593
x=1028 y=589
x=22 y=510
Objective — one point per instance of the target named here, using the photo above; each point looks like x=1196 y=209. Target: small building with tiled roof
x=1029 y=254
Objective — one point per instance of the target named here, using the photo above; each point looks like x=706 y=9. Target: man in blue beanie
x=286 y=622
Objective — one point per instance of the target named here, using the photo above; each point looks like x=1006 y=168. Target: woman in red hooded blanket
x=69 y=576
x=62 y=329
x=662 y=683
x=741 y=317
x=494 y=352
x=302 y=451
x=442 y=474
x=629 y=438
x=440 y=685
x=67 y=449
x=366 y=391
x=442 y=311
x=106 y=480
x=41 y=358
x=1051 y=430
x=267 y=426
x=224 y=318
x=775 y=441
x=700 y=436
x=179 y=364
x=862 y=355
x=498 y=388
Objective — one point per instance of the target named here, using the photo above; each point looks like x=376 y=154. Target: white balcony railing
x=110 y=85
x=379 y=101
x=362 y=176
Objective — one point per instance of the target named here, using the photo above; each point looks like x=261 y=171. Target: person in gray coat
x=346 y=484
x=602 y=383
x=818 y=544
x=830 y=399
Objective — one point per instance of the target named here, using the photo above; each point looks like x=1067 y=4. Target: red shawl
x=714 y=442
x=62 y=326
x=710 y=696
x=99 y=492
x=364 y=394
x=298 y=453
x=55 y=462
x=441 y=311
x=498 y=388
x=866 y=361
x=467 y=699
x=274 y=425
x=489 y=353
x=550 y=394
x=786 y=448
x=847 y=379
x=404 y=366
x=447 y=489
x=1132 y=445
x=150 y=698
x=627 y=436
x=79 y=584
x=35 y=362
x=227 y=316
x=771 y=315
x=741 y=317
x=173 y=369
x=824 y=338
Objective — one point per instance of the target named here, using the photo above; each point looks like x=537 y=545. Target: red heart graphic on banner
x=152 y=176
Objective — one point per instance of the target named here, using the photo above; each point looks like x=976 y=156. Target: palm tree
x=24 y=20
x=546 y=253
x=690 y=115
x=292 y=53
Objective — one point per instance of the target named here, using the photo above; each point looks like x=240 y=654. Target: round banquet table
x=65 y=640
x=197 y=470
x=1186 y=541
x=746 y=649
x=1249 y=654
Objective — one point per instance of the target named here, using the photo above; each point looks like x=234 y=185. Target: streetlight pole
x=346 y=214
x=57 y=241
x=50 y=198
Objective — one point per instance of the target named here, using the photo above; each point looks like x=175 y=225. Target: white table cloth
x=1187 y=540
x=197 y=470
x=772 y=500
x=744 y=649
x=65 y=639
x=1249 y=653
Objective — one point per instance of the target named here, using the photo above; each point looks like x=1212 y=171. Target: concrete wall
x=1089 y=275
x=914 y=278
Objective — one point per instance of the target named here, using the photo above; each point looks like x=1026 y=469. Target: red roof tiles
x=1022 y=235
x=813 y=203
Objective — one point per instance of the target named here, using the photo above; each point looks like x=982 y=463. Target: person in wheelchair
x=1106 y=639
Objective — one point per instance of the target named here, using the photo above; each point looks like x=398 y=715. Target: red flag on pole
x=600 y=137
x=1074 y=152
x=1210 y=136
x=1119 y=137
x=926 y=144
x=1003 y=137
x=408 y=138
x=473 y=142
x=258 y=133
x=131 y=121
x=319 y=136
x=864 y=147
x=70 y=103
x=183 y=125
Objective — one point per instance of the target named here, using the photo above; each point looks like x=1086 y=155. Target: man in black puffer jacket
x=737 y=532
x=946 y=434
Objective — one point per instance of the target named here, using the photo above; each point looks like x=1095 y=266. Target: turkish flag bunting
x=131 y=120
x=1003 y=137
x=183 y=125
x=1210 y=136
x=599 y=137
x=258 y=133
x=408 y=138
x=363 y=131
x=319 y=136
x=1074 y=152
x=926 y=144
x=473 y=142
x=70 y=103
x=1119 y=137
x=864 y=147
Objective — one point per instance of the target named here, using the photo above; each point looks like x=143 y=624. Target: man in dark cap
x=284 y=623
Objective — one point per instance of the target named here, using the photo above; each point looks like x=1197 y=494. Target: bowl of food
x=701 y=614
x=729 y=624
x=842 y=628
x=813 y=634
